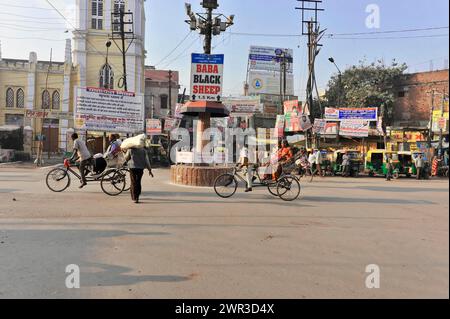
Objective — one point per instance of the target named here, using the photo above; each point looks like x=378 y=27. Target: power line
x=31 y=38
x=176 y=47
x=30 y=17
x=43 y=21
x=391 y=31
x=388 y=38
x=26 y=28
x=181 y=54
x=82 y=35
x=24 y=7
x=42 y=8
x=337 y=34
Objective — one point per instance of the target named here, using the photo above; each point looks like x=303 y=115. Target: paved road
x=187 y=243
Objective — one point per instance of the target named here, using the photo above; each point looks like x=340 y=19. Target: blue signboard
x=367 y=114
x=208 y=59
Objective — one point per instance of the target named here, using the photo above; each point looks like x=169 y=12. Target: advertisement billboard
x=367 y=114
x=354 y=128
x=261 y=82
x=104 y=110
x=206 y=77
x=263 y=58
x=243 y=105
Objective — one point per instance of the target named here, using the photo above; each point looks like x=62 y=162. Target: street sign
x=207 y=77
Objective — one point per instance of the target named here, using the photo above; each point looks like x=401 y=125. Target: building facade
x=159 y=103
x=39 y=95
x=414 y=99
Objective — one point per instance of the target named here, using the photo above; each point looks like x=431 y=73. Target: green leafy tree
x=366 y=86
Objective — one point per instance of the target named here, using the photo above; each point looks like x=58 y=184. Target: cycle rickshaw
x=112 y=181
x=286 y=187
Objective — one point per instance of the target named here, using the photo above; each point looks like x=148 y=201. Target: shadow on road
x=364 y=200
x=113 y=275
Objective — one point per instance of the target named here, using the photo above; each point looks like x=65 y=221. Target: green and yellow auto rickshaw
x=407 y=165
x=376 y=163
x=356 y=162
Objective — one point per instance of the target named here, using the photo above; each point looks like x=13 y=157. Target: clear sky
x=30 y=25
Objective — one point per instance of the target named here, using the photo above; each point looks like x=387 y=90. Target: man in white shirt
x=81 y=151
x=245 y=162
x=419 y=162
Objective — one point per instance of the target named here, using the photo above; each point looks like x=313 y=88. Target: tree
x=366 y=86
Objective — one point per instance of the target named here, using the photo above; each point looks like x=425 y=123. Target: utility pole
x=124 y=58
x=39 y=160
x=430 y=132
x=123 y=30
x=441 y=130
x=310 y=28
x=284 y=58
x=209 y=25
x=170 y=93
x=49 y=106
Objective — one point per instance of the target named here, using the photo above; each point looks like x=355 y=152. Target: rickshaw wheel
x=396 y=175
x=288 y=188
x=225 y=185
x=113 y=183
x=58 y=180
x=272 y=187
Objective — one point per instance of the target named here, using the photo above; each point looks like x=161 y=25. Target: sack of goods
x=133 y=142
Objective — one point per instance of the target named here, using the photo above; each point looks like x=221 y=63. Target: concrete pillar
x=204 y=122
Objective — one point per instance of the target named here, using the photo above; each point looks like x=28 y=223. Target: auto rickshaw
x=356 y=162
x=407 y=165
x=376 y=163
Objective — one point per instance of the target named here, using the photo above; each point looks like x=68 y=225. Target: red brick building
x=414 y=99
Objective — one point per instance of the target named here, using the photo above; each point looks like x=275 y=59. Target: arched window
x=20 y=99
x=106 y=77
x=56 y=99
x=45 y=100
x=9 y=97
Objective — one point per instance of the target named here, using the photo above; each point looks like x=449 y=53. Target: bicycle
x=286 y=187
x=112 y=181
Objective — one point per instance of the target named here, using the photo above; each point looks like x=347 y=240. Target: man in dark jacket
x=137 y=159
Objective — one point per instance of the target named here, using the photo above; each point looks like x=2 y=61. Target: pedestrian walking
x=318 y=162
x=419 y=162
x=345 y=165
x=389 y=167
x=137 y=159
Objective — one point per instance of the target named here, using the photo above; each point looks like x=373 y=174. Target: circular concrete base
x=196 y=175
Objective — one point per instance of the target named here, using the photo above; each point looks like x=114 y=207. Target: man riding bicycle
x=81 y=152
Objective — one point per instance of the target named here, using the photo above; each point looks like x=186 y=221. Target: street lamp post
x=339 y=81
x=209 y=25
